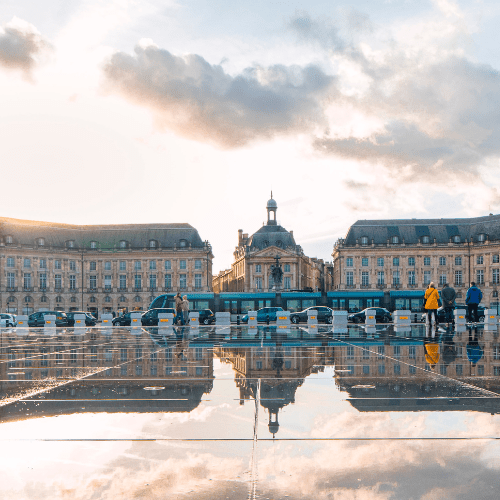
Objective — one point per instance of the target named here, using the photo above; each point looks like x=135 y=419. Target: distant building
x=99 y=268
x=405 y=255
x=254 y=256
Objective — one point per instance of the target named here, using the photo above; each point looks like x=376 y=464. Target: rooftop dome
x=271 y=204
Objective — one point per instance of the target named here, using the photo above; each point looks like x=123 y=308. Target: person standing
x=448 y=296
x=185 y=309
x=473 y=298
x=178 y=309
x=431 y=304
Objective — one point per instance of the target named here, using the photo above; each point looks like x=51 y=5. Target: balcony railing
x=12 y=288
x=123 y=289
x=153 y=289
x=381 y=285
x=137 y=289
x=28 y=288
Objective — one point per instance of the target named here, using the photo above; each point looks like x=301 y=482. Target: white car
x=10 y=319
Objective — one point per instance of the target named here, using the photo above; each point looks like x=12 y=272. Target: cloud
x=22 y=46
x=201 y=101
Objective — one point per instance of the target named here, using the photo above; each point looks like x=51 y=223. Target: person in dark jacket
x=448 y=296
x=473 y=298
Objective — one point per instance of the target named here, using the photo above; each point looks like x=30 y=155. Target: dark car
x=10 y=319
x=207 y=317
x=125 y=319
x=38 y=318
x=264 y=314
x=150 y=317
x=89 y=319
x=441 y=318
x=324 y=315
x=382 y=315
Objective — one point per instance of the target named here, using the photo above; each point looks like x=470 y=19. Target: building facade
x=408 y=254
x=255 y=255
x=105 y=268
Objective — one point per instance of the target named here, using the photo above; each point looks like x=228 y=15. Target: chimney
x=240 y=236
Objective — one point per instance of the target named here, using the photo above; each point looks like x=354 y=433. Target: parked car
x=263 y=314
x=382 y=315
x=89 y=319
x=442 y=319
x=150 y=317
x=207 y=317
x=10 y=319
x=125 y=319
x=324 y=315
x=38 y=318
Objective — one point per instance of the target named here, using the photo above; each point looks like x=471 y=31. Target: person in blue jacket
x=473 y=298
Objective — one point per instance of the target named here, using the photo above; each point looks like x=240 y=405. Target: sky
x=144 y=111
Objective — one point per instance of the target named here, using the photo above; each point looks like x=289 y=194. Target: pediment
x=272 y=252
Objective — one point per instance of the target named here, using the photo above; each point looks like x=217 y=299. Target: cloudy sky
x=191 y=111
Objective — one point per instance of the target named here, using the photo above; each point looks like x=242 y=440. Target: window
x=123 y=244
x=442 y=261
x=168 y=281
x=11 y=281
x=381 y=278
x=72 y=265
x=496 y=259
x=197 y=264
x=70 y=244
x=28 y=299
x=72 y=282
x=182 y=264
x=458 y=278
x=364 y=240
x=122 y=298
x=350 y=352
x=364 y=261
x=426 y=240
x=58 y=281
x=365 y=280
x=92 y=299
x=197 y=281
x=44 y=298
x=168 y=265
x=481 y=237
x=27 y=281
x=349 y=262
x=411 y=277
x=123 y=281
x=107 y=265
x=27 y=263
x=72 y=300
x=107 y=282
x=183 y=243
x=152 y=281
x=43 y=281
x=152 y=265
x=93 y=244
x=395 y=240
x=411 y=261
x=123 y=265
x=380 y=262
x=456 y=239
x=57 y=264
x=286 y=268
x=287 y=282
x=427 y=261
x=137 y=281
x=479 y=259
x=442 y=279
x=496 y=276
x=480 y=276
x=381 y=369
x=93 y=265
x=93 y=282
x=9 y=240
x=59 y=299
x=349 y=278
x=182 y=280
x=43 y=264
x=458 y=261
x=152 y=244
x=395 y=278
x=427 y=277
x=137 y=265
x=10 y=262
x=395 y=261
x=258 y=283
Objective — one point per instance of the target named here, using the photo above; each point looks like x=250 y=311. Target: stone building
x=254 y=256
x=101 y=268
x=408 y=254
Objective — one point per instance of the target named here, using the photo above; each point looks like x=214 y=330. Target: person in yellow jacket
x=432 y=354
x=431 y=298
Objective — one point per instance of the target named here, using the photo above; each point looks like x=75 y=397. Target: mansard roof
x=270 y=235
x=411 y=231
x=27 y=232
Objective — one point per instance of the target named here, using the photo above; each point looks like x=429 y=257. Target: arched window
x=265 y=244
x=137 y=299
x=364 y=240
x=183 y=243
x=123 y=244
x=44 y=299
x=12 y=299
x=92 y=299
x=456 y=238
x=426 y=240
x=28 y=299
x=122 y=299
x=70 y=244
x=153 y=244
x=107 y=298
x=481 y=237
x=495 y=293
x=395 y=240
x=93 y=245
x=59 y=299
x=72 y=300
x=9 y=240
x=40 y=242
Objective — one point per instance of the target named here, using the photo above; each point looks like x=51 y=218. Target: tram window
x=402 y=303
x=308 y=303
x=264 y=303
x=247 y=305
x=342 y=304
x=416 y=304
x=293 y=305
x=158 y=302
x=355 y=305
x=334 y=304
x=202 y=304
x=376 y=302
x=369 y=303
x=231 y=306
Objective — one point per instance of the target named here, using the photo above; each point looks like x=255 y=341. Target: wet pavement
x=242 y=413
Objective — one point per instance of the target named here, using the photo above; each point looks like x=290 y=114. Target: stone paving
x=239 y=412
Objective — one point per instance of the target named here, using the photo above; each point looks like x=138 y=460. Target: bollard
x=194 y=319
x=22 y=321
x=166 y=323
x=106 y=319
x=402 y=317
x=282 y=318
x=79 y=320
x=339 y=322
x=222 y=318
x=459 y=316
x=252 y=318
x=135 y=319
x=490 y=317
x=238 y=319
x=312 y=317
x=370 y=318
x=267 y=319
x=3 y=323
x=50 y=321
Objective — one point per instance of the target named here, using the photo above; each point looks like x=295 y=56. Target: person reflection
x=474 y=350
x=431 y=353
x=278 y=361
x=449 y=348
